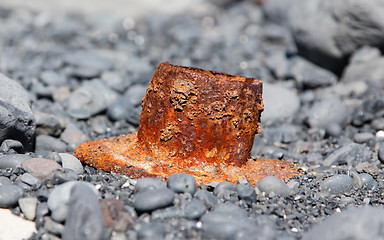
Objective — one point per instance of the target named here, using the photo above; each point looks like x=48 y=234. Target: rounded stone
x=337 y=184
x=194 y=209
x=13 y=161
x=368 y=181
x=182 y=183
x=150 y=200
x=272 y=185
x=10 y=195
x=153 y=230
x=71 y=162
x=226 y=191
x=28 y=206
x=144 y=184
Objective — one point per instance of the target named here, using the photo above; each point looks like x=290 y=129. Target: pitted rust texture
x=193 y=121
x=206 y=116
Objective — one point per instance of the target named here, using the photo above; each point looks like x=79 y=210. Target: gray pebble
x=206 y=197
x=85 y=219
x=49 y=143
x=9 y=195
x=279 y=103
x=333 y=129
x=246 y=192
x=351 y=153
x=58 y=199
x=194 y=209
x=182 y=183
x=144 y=184
x=327 y=111
x=368 y=181
x=53 y=227
x=41 y=168
x=29 y=182
x=71 y=162
x=5 y=181
x=89 y=99
x=272 y=185
x=226 y=191
x=337 y=184
x=123 y=109
x=73 y=136
x=364 y=137
x=153 y=230
x=13 y=161
x=28 y=206
x=380 y=153
x=135 y=94
x=52 y=78
x=150 y=200
x=352 y=223
x=63 y=175
x=10 y=145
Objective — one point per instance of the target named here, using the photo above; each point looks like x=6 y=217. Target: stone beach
x=69 y=77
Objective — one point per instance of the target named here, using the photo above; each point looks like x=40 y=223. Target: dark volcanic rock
x=17 y=120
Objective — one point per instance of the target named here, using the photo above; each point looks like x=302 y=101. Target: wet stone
x=9 y=195
x=272 y=185
x=28 y=206
x=13 y=161
x=150 y=200
x=337 y=184
x=85 y=219
x=182 y=183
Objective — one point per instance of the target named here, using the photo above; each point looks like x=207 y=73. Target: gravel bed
x=68 y=78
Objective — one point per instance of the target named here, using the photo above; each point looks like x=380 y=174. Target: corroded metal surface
x=193 y=121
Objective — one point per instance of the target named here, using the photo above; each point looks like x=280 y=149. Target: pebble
x=368 y=181
x=123 y=109
x=28 y=206
x=153 y=199
x=144 y=184
x=182 y=183
x=366 y=224
x=246 y=192
x=73 y=136
x=226 y=191
x=115 y=217
x=380 y=152
x=327 y=111
x=58 y=199
x=16 y=115
x=337 y=184
x=194 y=209
x=10 y=145
x=5 y=181
x=364 y=137
x=206 y=197
x=71 y=162
x=152 y=230
x=272 y=185
x=91 y=98
x=63 y=175
x=351 y=153
x=27 y=181
x=53 y=227
x=136 y=93
x=49 y=143
x=85 y=219
x=279 y=103
x=13 y=161
x=9 y=195
x=41 y=168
